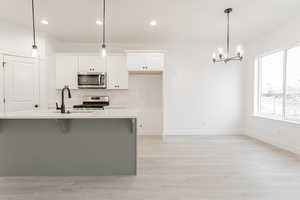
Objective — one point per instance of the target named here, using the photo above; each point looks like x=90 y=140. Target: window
x=271 y=86
x=293 y=84
x=279 y=85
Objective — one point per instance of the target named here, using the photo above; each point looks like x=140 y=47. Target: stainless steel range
x=93 y=102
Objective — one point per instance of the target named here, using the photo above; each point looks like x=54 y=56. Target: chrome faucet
x=62 y=108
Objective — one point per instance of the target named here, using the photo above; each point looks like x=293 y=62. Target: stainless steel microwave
x=93 y=80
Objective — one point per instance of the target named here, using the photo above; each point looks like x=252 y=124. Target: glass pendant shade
x=103 y=51
x=34 y=51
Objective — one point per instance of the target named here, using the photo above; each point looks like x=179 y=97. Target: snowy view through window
x=293 y=84
x=272 y=84
x=272 y=81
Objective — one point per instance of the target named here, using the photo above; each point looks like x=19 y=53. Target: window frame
x=258 y=82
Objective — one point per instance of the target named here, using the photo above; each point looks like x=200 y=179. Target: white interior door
x=21 y=84
x=1 y=85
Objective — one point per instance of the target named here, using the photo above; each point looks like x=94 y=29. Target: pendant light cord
x=228 y=34
x=33 y=23
x=104 y=23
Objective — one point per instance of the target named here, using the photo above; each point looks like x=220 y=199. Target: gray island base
x=73 y=146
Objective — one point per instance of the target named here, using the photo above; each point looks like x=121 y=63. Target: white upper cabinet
x=66 y=71
x=68 y=66
x=136 y=61
x=117 y=72
x=91 y=64
x=155 y=61
x=145 y=62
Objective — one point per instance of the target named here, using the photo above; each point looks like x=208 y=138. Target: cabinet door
x=117 y=72
x=1 y=85
x=136 y=61
x=21 y=84
x=91 y=64
x=143 y=62
x=66 y=71
x=155 y=61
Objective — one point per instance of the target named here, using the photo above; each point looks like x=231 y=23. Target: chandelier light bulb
x=99 y=22
x=214 y=55
x=220 y=50
x=239 y=50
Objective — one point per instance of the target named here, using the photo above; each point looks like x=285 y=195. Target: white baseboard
x=256 y=134
x=204 y=132
x=150 y=133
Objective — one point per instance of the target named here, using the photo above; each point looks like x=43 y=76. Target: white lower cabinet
x=117 y=72
x=66 y=72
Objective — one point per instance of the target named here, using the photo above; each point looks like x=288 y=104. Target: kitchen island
x=80 y=143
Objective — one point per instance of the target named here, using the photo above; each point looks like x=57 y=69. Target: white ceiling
x=128 y=20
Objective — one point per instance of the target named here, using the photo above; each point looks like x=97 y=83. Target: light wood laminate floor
x=185 y=168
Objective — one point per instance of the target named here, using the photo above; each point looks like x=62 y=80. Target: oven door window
x=88 y=80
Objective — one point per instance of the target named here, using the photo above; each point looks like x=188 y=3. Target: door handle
x=36 y=105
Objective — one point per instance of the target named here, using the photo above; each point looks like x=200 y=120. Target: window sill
x=278 y=119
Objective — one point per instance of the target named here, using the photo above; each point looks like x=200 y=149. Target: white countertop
x=75 y=114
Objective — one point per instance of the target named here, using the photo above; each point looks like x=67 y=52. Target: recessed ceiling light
x=44 y=22
x=153 y=23
x=99 y=22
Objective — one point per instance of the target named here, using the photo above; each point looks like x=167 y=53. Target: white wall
x=17 y=40
x=282 y=134
x=199 y=97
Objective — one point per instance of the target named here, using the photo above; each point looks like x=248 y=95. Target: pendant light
x=220 y=57
x=103 y=50
x=34 y=46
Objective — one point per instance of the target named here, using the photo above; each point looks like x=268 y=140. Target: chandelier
x=221 y=57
